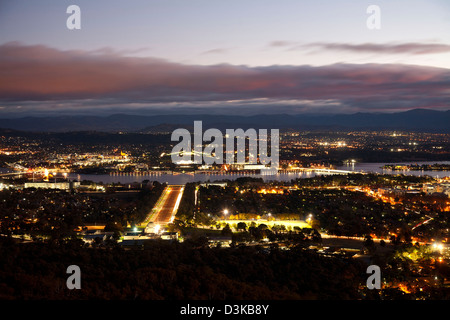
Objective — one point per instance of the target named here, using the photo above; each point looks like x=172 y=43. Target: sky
x=231 y=57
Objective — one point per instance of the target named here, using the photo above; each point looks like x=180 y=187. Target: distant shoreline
x=417 y=167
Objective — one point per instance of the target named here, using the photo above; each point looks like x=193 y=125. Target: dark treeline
x=166 y=270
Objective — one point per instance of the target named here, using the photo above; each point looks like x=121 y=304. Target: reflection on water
x=377 y=168
x=183 y=178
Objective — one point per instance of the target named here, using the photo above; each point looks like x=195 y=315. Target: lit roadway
x=166 y=207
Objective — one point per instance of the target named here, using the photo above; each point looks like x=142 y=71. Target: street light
x=225 y=212
x=438 y=246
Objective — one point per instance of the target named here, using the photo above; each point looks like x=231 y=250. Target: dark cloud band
x=38 y=73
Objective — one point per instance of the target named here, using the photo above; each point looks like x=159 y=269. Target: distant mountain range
x=415 y=120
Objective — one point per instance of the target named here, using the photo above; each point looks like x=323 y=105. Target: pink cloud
x=39 y=73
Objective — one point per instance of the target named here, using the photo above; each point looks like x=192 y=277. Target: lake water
x=377 y=168
x=183 y=178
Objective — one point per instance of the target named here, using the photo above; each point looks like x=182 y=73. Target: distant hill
x=166 y=128
x=416 y=120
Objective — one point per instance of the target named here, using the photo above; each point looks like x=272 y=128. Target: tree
x=242 y=226
x=226 y=231
x=316 y=237
x=368 y=242
x=315 y=224
x=263 y=226
x=113 y=227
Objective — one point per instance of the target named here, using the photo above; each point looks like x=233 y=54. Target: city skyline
x=301 y=57
x=221 y=157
